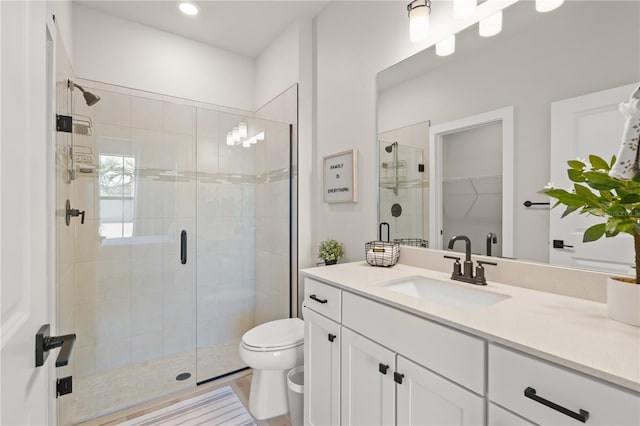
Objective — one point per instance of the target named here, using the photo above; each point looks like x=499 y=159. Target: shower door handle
x=183 y=247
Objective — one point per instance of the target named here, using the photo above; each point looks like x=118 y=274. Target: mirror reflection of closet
x=403 y=183
x=472 y=187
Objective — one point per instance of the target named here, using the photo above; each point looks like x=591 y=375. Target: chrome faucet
x=466 y=274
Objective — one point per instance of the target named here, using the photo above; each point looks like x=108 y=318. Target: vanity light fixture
x=447 y=46
x=236 y=134
x=464 y=8
x=246 y=143
x=548 y=5
x=188 y=8
x=242 y=128
x=419 y=11
x=230 y=140
x=260 y=136
x=491 y=26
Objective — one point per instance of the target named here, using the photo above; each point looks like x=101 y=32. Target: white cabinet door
x=368 y=389
x=321 y=370
x=425 y=398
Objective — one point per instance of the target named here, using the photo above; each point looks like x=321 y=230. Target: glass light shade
x=188 y=8
x=236 y=134
x=253 y=140
x=230 y=140
x=446 y=47
x=491 y=26
x=242 y=128
x=260 y=136
x=548 y=5
x=419 y=22
x=464 y=8
x=246 y=143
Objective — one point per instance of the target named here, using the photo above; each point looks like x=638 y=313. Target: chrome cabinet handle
x=582 y=415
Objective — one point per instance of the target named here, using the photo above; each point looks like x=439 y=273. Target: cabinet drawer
x=511 y=373
x=498 y=416
x=323 y=298
x=453 y=354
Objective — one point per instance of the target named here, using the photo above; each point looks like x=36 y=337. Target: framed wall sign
x=341 y=177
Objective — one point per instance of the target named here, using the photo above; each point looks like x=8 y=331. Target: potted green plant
x=617 y=202
x=330 y=251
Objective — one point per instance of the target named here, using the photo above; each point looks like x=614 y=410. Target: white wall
x=63 y=11
x=355 y=41
x=565 y=57
x=277 y=66
x=121 y=52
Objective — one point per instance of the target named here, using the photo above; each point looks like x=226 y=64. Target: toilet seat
x=275 y=335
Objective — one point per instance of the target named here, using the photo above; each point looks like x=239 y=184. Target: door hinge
x=64 y=386
x=397 y=377
x=64 y=123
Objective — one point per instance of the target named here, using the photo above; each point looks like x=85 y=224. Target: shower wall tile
x=91 y=246
x=207 y=154
x=230 y=198
x=260 y=200
x=229 y=265
x=147 y=275
x=178 y=150
x=186 y=200
x=248 y=200
x=84 y=196
x=179 y=119
x=146 y=347
x=224 y=158
x=207 y=124
x=113 y=108
x=147 y=148
x=178 y=338
x=112 y=355
x=234 y=326
x=249 y=235
x=86 y=324
x=147 y=313
x=113 y=320
x=146 y=113
x=207 y=333
x=148 y=238
x=208 y=201
x=84 y=360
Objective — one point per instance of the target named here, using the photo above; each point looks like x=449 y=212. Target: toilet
x=271 y=350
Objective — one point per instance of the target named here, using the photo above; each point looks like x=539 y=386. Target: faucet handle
x=457 y=267
x=480 y=271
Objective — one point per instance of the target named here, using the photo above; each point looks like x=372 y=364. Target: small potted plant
x=617 y=202
x=330 y=251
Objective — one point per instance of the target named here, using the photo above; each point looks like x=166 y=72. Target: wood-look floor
x=239 y=382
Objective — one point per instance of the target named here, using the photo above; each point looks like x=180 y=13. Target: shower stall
x=180 y=244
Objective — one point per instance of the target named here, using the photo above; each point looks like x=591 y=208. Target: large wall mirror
x=466 y=140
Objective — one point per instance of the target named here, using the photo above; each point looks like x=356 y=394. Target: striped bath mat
x=218 y=407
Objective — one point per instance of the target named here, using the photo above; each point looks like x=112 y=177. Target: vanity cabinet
x=378 y=381
x=322 y=340
x=548 y=394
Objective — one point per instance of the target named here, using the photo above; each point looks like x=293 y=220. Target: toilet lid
x=276 y=334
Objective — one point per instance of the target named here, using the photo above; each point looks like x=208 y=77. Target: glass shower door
x=400 y=193
x=131 y=301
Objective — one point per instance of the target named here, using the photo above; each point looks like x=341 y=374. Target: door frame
x=505 y=116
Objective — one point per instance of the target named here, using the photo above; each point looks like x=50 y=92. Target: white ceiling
x=244 y=27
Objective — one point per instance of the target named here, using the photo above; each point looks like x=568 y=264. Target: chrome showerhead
x=89 y=98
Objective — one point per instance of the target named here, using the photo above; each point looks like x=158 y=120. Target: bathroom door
x=589 y=124
x=27 y=215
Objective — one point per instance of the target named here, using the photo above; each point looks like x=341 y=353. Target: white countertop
x=568 y=331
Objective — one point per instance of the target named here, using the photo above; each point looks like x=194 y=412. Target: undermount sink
x=444 y=293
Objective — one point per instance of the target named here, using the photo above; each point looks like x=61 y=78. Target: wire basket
x=414 y=242
x=381 y=253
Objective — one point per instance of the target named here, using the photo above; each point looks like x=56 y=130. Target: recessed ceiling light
x=188 y=8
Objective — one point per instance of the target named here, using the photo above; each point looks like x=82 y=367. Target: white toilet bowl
x=271 y=350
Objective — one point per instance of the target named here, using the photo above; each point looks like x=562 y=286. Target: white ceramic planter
x=623 y=301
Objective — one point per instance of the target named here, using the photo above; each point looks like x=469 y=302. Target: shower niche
x=185 y=243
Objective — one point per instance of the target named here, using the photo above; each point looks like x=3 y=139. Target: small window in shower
x=116 y=184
